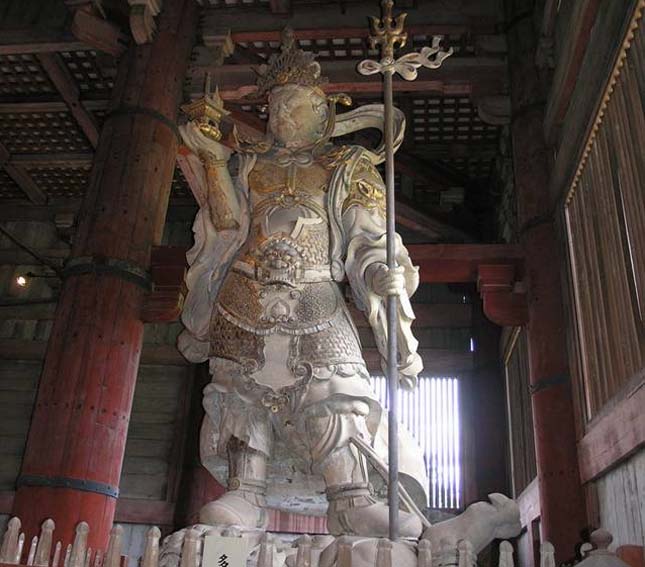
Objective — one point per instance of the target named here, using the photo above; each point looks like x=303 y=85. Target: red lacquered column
x=74 y=452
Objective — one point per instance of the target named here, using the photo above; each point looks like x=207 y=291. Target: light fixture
x=21 y=281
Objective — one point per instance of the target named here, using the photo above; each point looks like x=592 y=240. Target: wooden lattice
x=355 y=48
x=449 y=119
x=62 y=182
x=22 y=75
x=91 y=78
x=41 y=132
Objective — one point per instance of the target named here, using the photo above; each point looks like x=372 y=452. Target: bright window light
x=431 y=414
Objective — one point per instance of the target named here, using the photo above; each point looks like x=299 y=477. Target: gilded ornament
x=291 y=66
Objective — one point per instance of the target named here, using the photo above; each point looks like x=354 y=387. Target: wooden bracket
x=92 y=28
x=142 y=19
x=503 y=297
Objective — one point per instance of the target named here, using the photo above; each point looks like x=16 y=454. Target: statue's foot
x=236 y=508
x=360 y=514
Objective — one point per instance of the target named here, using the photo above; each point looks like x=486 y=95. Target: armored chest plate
x=289 y=236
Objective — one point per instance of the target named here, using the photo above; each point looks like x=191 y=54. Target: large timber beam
x=435 y=179
x=459 y=263
x=89 y=27
x=463 y=76
x=497 y=269
x=468 y=16
x=36 y=40
x=434 y=230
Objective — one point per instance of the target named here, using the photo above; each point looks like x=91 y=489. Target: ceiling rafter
x=21 y=177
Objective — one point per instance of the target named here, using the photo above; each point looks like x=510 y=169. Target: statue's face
x=297 y=115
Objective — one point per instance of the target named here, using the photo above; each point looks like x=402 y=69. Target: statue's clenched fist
x=387 y=282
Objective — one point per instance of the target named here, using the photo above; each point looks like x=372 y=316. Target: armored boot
x=353 y=509
x=244 y=504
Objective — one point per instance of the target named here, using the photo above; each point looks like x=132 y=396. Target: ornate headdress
x=291 y=66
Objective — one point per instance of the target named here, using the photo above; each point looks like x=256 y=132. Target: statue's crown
x=291 y=66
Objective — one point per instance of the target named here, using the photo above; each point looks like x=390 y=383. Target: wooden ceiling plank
x=69 y=91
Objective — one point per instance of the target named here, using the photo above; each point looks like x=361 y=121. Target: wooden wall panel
x=18 y=383
x=157 y=414
x=621 y=500
x=605 y=216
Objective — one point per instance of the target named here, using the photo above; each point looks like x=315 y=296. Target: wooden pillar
x=562 y=505
x=74 y=451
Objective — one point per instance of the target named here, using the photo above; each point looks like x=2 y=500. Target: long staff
x=388 y=33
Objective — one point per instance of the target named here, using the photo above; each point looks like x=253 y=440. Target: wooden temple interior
x=520 y=192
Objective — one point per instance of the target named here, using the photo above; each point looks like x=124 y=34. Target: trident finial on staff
x=388 y=33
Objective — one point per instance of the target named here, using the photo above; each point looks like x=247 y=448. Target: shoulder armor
x=366 y=188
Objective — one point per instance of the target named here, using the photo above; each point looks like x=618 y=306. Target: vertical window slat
x=431 y=414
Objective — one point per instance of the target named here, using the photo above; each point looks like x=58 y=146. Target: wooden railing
x=188 y=550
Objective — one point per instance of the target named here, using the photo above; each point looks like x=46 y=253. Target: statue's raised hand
x=204 y=145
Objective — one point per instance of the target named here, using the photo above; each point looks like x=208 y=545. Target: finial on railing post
x=190 y=549
x=57 y=551
x=547 y=554
x=68 y=555
x=21 y=544
x=32 y=551
x=113 y=553
x=44 y=547
x=506 y=555
x=151 y=551
x=10 y=541
x=79 y=547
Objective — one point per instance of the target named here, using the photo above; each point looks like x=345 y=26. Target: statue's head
x=298 y=115
x=298 y=108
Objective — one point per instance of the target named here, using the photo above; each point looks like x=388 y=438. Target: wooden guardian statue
x=273 y=246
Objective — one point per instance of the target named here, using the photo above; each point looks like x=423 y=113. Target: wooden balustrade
x=349 y=551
